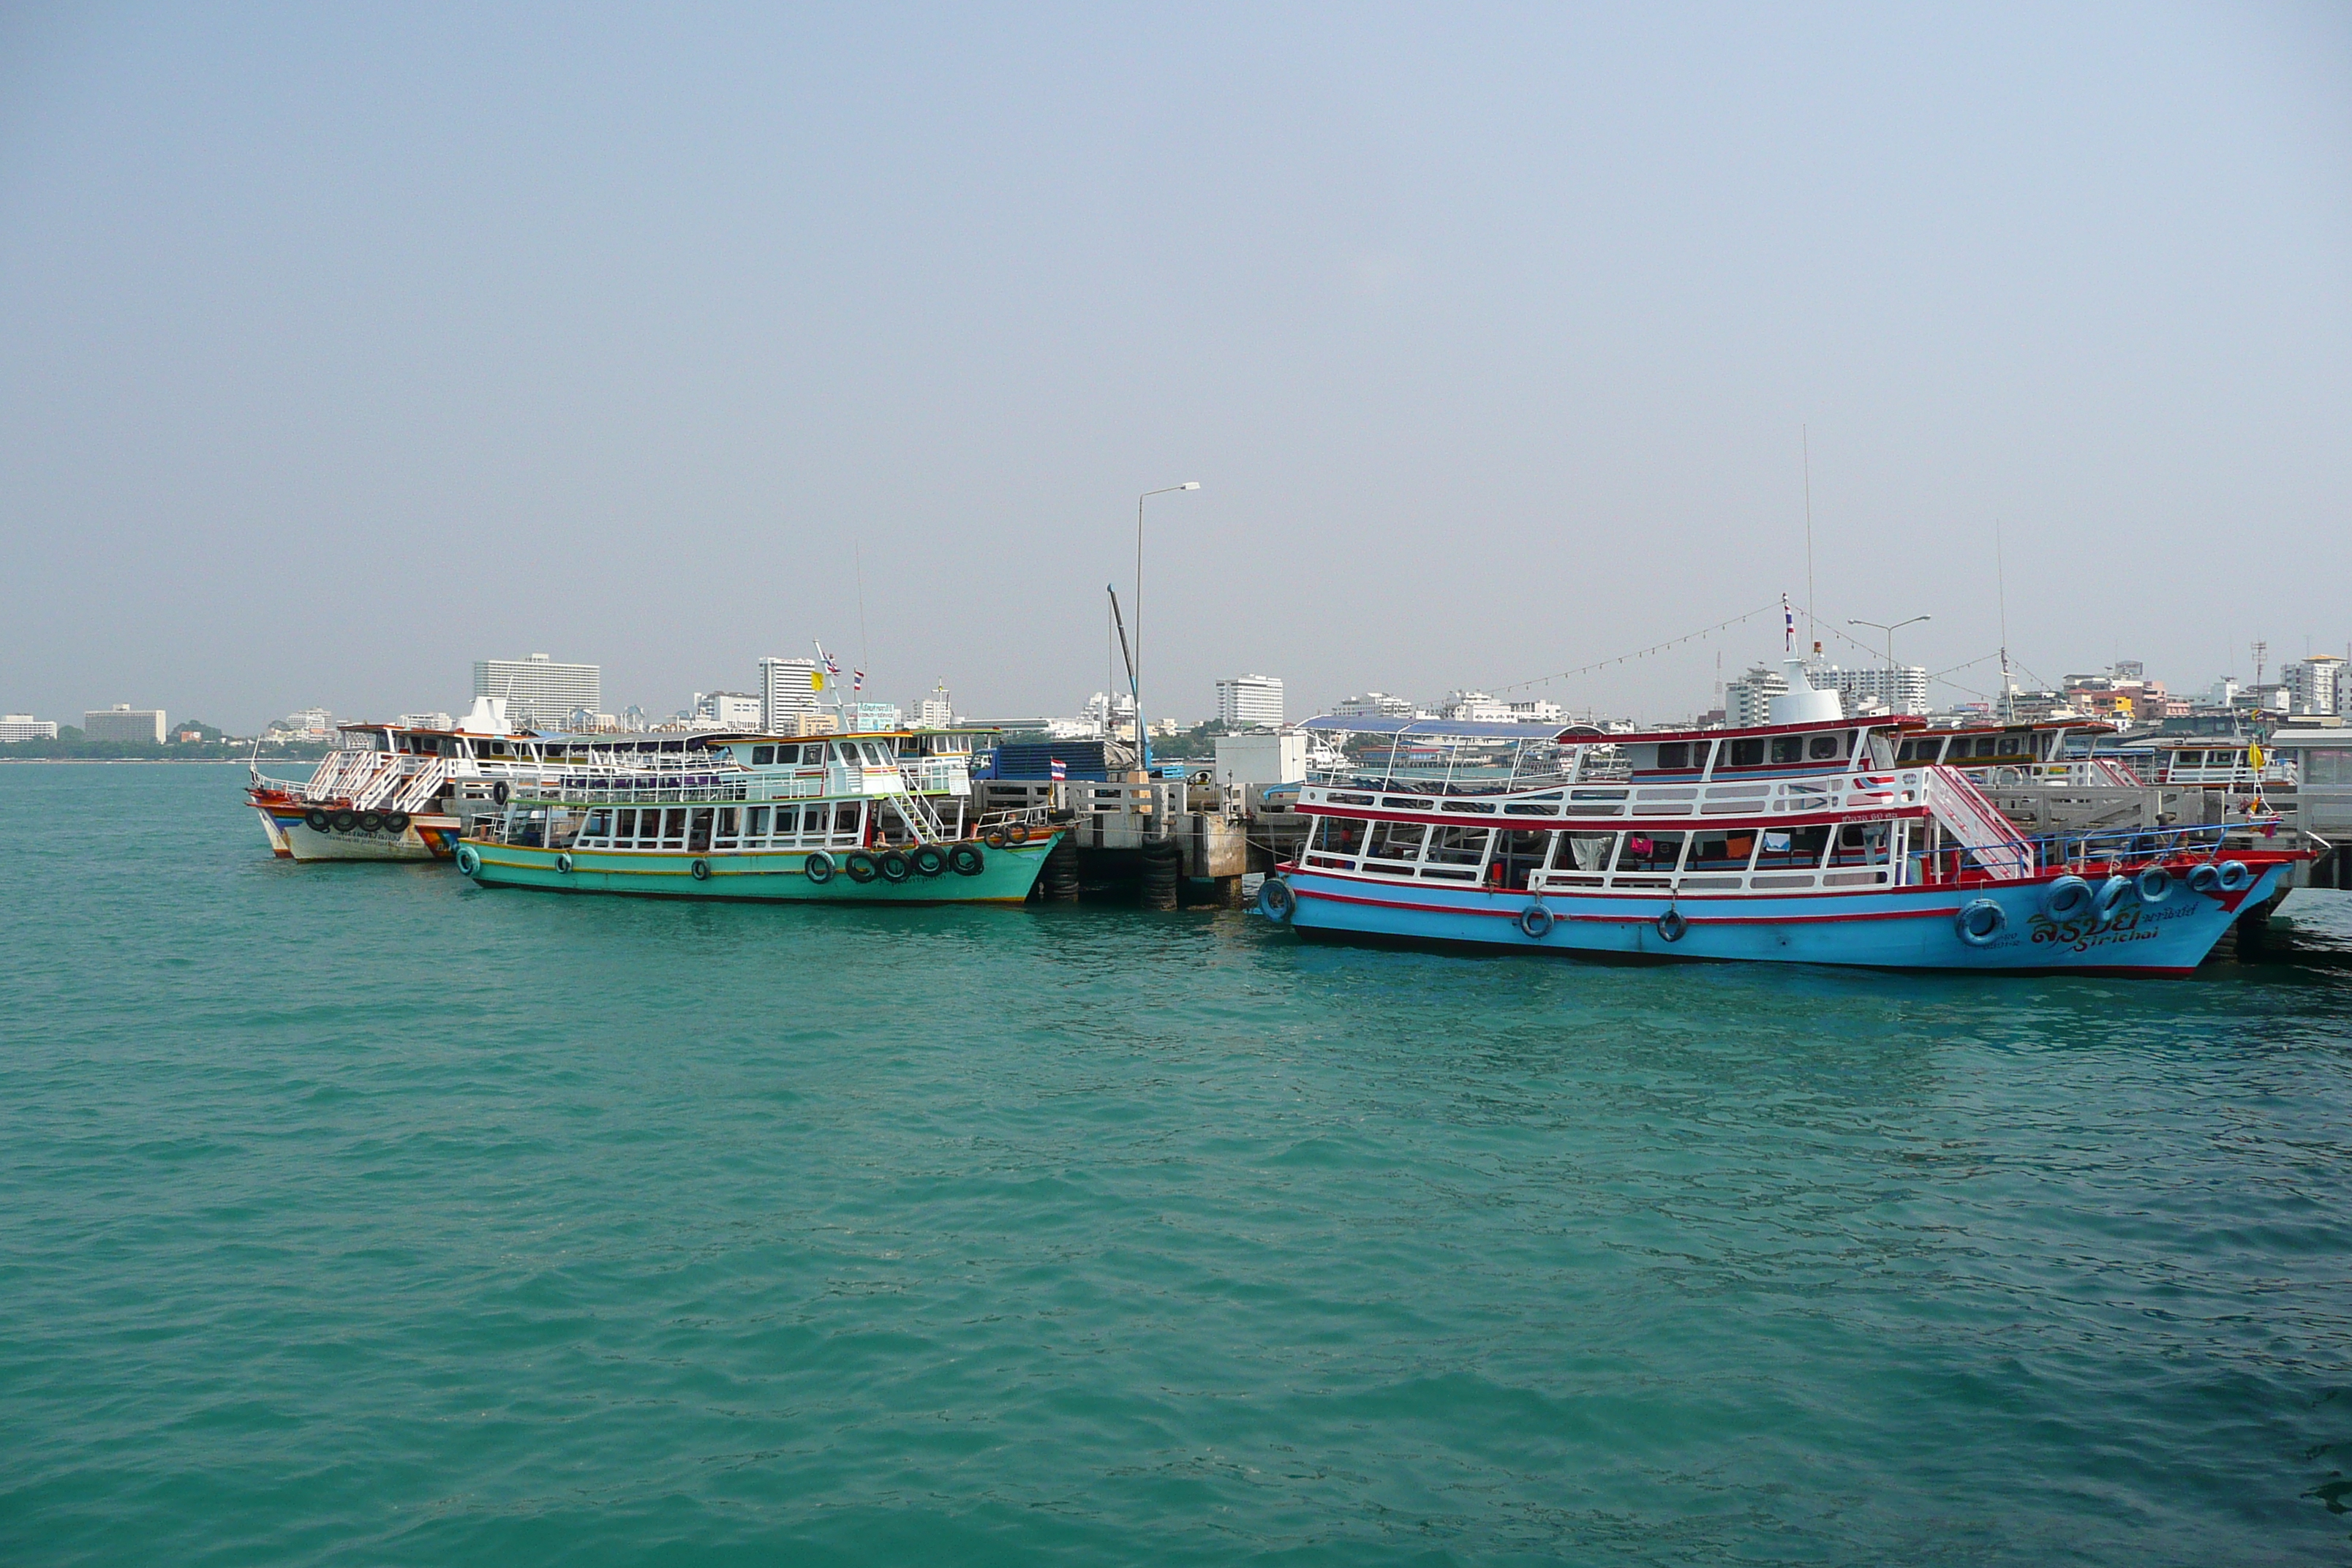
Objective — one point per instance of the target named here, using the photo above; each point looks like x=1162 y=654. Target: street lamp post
x=1890 y=631
x=1142 y=734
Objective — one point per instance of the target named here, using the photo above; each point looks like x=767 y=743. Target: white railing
x=1661 y=802
x=1977 y=824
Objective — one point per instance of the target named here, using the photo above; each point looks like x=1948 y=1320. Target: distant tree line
x=71 y=744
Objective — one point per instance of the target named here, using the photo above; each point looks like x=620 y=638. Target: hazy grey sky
x=339 y=348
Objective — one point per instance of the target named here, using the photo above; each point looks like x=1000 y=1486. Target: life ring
x=345 y=821
x=1535 y=921
x=2110 y=899
x=2236 y=877
x=2205 y=879
x=499 y=791
x=395 y=821
x=2154 y=885
x=563 y=864
x=894 y=865
x=371 y=822
x=1016 y=833
x=818 y=867
x=2068 y=899
x=993 y=838
x=928 y=860
x=1671 y=926
x=966 y=860
x=1276 y=902
x=1980 y=922
x=469 y=861
x=860 y=865
x=316 y=821
x=700 y=871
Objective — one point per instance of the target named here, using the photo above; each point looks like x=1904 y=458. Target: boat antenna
x=865 y=648
x=2001 y=588
x=1813 y=621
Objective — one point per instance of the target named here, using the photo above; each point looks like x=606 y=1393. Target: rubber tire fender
x=1016 y=833
x=2153 y=884
x=2067 y=898
x=1535 y=922
x=345 y=821
x=2205 y=879
x=1276 y=902
x=563 y=864
x=499 y=791
x=316 y=821
x=469 y=861
x=700 y=871
x=371 y=822
x=966 y=860
x=994 y=839
x=818 y=867
x=928 y=860
x=2236 y=876
x=1671 y=925
x=396 y=821
x=2111 y=895
x=860 y=866
x=894 y=865
x=1980 y=922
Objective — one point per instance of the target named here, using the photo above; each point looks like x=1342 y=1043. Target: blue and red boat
x=1808 y=840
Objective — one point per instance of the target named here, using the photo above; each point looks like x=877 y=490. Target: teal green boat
x=834 y=819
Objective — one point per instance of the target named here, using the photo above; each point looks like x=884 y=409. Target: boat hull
x=1901 y=928
x=293 y=838
x=771 y=876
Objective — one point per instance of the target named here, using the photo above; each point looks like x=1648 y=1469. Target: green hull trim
x=777 y=876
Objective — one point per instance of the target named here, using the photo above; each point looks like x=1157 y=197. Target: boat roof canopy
x=1441 y=729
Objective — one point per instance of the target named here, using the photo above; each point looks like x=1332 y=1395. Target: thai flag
x=1060 y=771
x=857 y=680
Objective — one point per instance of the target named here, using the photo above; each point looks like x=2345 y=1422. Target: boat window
x=1747 y=753
x=1673 y=753
x=727 y=816
x=1339 y=835
x=1396 y=840
x=1725 y=851
x=1881 y=750
x=844 y=820
x=2328 y=767
x=1909 y=753
x=1458 y=845
x=674 y=828
x=1987 y=745
x=1860 y=843
x=1793 y=846
x=600 y=824
x=755 y=822
x=1519 y=855
x=698 y=839
x=1650 y=852
x=763 y=756
x=628 y=824
x=1582 y=851
x=1823 y=748
x=1787 y=748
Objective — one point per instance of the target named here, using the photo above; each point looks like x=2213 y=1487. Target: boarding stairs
x=1977 y=824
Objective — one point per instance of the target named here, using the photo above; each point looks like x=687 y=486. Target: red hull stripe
x=1631 y=918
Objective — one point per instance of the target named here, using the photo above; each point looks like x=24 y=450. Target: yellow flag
x=816 y=680
x=2254 y=754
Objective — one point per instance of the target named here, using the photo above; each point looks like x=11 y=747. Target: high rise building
x=1749 y=699
x=1903 y=690
x=540 y=692
x=2316 y=685
x=1537 y=710
x=790 y=690
x=1249 y=701
x=25 y=727
x=727 y=710
x=1374 y=705
x=124 y=722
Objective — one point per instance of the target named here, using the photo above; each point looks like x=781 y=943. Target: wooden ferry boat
x=836 y=818
x=1811 y=839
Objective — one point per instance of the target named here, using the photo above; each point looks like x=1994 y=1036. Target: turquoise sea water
x=353 y=1215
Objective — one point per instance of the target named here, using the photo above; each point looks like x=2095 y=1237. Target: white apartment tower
x=790 y=690
x=1902 y=691
x=2316 y=685
x=1250 y=701
x=1749 y=699
x=540 y=693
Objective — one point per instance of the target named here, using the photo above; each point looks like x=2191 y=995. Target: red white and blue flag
x=1788 y=621
x=1060 y=771
x=856 y=680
